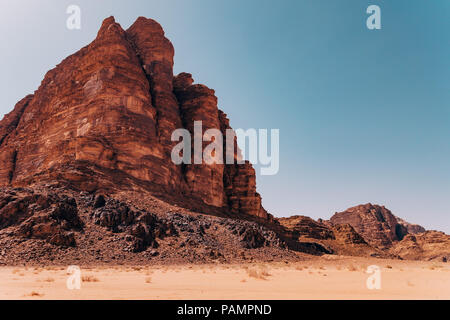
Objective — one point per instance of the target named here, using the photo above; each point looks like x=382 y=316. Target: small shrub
x=352 y=268
x=89 y=279
x=35 y=294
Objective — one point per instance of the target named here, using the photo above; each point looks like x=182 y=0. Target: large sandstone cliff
x=102 y=121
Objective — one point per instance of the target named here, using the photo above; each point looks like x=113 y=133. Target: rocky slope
x=393 y=235
x=332 y=239
x=102 y=121
x=375 y=223
x=429 y=245
x=52 y=225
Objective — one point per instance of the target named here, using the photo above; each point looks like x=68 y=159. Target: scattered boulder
x=99 y=201
x=142 y=228
x=40 y=216
x=252 y=239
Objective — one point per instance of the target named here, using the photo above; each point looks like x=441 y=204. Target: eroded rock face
x=347 y=234
x=322 y=237
x=239 y=181
x=429 y=245
x=40 y=216
x=303 y=226
x=375 y=223
x=410 y=227
x=103 y=120
x=199 y=103
x=142 y=227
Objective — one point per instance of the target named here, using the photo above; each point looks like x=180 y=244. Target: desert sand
x=328 y=277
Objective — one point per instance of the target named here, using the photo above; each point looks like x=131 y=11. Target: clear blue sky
x=363 y=115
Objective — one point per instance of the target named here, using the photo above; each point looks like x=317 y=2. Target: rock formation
x=40 y=216
x=376 y=224
x=410 y=227
x=46 y=225
x=429 y=245
x=102 y=120
x=143 y=228
x=303 y=226
x=327 y=238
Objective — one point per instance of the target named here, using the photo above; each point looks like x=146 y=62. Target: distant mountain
x=337 y=239
x=375 y=223
x=429 y=245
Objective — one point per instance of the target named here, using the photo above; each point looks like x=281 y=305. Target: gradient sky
x=364 y=116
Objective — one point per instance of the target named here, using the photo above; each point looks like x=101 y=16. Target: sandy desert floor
x=319 y=278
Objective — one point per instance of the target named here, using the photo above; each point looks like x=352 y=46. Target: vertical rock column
x=156 y=54
x=199 y=103
x=239 y=181
x=232 y=185
x=8 y=152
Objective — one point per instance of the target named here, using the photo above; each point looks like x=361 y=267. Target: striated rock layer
x=428 y=245
x=376 y=224
x=102 y=120
x=339 y=239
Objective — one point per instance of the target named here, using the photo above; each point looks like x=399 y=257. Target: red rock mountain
x=376 y=224
x=102 y=121
x=428 y=245
x=327 y=238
